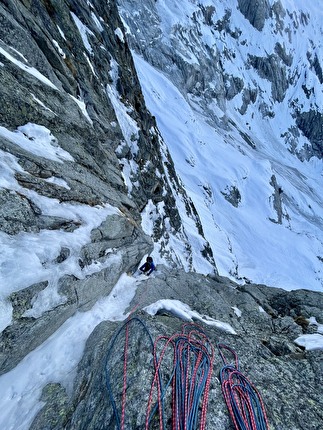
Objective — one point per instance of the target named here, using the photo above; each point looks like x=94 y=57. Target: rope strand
x=244 y=402
x=188 y=379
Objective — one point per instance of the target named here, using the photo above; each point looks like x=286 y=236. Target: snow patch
x=82 y=107
x=237 y=311
x=310 y=342
x=31 y=70
x=119 y=33
x=58 y=181
x=84 y=32
x=183 y=311
x=59 y=49
x=38 y=140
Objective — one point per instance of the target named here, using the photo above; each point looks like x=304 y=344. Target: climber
x=148 y=266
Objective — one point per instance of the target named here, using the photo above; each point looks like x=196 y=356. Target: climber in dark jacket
x=147 y=267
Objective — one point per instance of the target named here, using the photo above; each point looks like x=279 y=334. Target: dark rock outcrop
x=311 y=124
x=271 y=69
x=255 y=12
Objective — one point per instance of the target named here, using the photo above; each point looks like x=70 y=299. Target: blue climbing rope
x=188 y=378
x=244 y=402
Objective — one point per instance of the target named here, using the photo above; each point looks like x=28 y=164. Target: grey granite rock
x=255 y=12
x=68 y=95
x=49 y=77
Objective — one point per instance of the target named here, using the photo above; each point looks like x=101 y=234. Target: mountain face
x=191 y=133
x=236 y=88
x=113 y=151
x=81 y=159
x=215 y=52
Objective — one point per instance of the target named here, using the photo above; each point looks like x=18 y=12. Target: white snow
x=28 y=69
x=57 y=358
x=310 y=341
x=312 y=321
x=61 y=32
x=58 y=181
x=36 y=251
x=82 y=106
x=84 y=32
x=41 y=103
x=119 y=33
x=8 y=165
x=128 y=125
x=183 y=311
x=59 y=49
x=237 y=311
x=245 y=243
x=90 y=64
x=38 y=140
x=29 y=258
x=5 y=313
x=97 y=22
x=46 y=299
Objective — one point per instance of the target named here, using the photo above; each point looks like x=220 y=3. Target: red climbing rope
x=244 y=402
x=180 y=382
x=124 y=391
x=182 y=371
x=193 y=357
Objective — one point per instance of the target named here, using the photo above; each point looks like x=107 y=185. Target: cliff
x=88 y=188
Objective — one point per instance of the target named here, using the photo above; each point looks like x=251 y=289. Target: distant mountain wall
x=240 y=55
x=246 y=126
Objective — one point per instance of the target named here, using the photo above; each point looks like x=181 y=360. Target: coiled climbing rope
x=180 y=382
x=110 y=383
x=180 y=370
x=245 y=405
x=193 y=357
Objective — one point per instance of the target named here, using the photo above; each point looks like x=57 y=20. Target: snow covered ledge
x=183 y=311
x=312 y=341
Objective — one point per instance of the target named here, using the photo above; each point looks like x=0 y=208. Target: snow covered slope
x=237 y=94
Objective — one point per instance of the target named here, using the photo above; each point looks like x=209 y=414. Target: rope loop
x=190 y=376
x=181 y=368
x=182 y=371
x=244 y=402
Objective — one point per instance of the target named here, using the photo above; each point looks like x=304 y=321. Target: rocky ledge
x=260 y=324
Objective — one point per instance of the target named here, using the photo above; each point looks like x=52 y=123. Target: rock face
x=75 y=134
x=64 y=88
x=266 y=322
x=257 y=13
x=311 y=124
x=48 y=79
x=29 y=329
